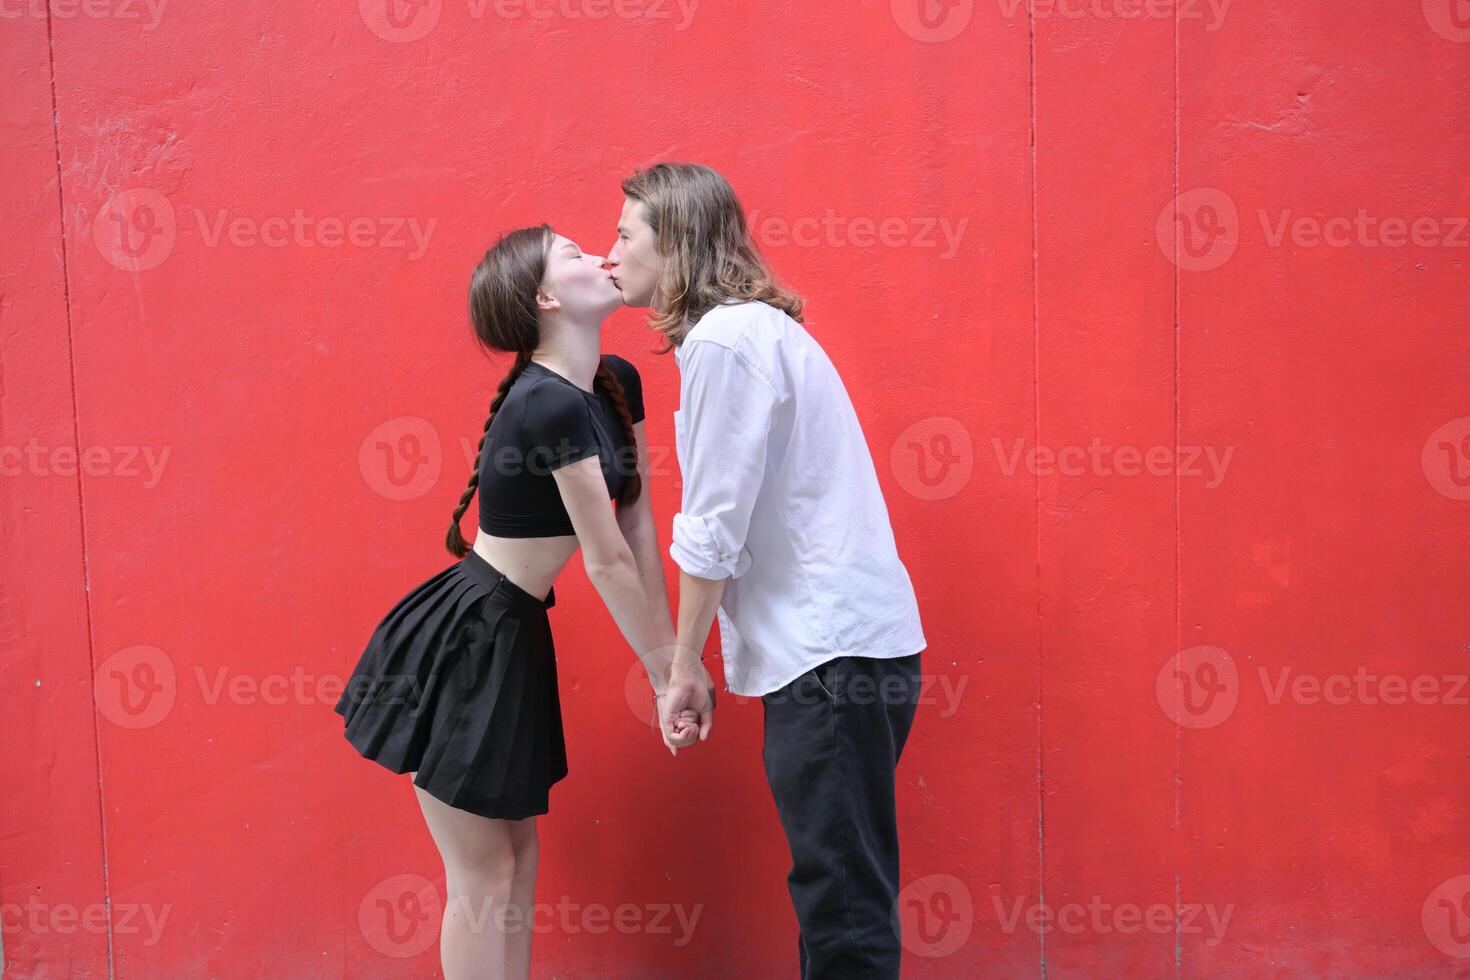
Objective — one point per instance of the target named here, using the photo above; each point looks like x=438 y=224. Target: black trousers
x=833 y=737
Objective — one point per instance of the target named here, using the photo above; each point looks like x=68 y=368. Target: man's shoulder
x=746 y=326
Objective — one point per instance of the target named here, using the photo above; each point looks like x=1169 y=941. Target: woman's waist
x=531 y=564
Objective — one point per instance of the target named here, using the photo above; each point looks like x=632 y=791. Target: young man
x=783 y=533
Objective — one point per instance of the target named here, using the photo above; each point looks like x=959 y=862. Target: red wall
x=1165 y=670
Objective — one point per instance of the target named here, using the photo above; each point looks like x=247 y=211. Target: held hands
x=688 y=708
x=684 y=700
x=681 y=731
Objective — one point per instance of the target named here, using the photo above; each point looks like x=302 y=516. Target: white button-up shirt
x=781 y=497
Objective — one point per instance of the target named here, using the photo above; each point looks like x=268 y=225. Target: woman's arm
x=615 y=574
x=641 y=534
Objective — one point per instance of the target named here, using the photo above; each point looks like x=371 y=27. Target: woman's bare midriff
x=531 y=563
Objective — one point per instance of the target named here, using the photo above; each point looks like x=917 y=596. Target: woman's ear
x=545 y=302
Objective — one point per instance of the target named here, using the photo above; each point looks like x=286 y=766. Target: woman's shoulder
x=625 y=370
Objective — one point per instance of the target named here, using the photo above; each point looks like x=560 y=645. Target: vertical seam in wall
x=1036 y=484
x=81 y=508
x=1178 y=636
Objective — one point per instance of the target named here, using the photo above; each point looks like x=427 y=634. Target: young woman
x=457 y=685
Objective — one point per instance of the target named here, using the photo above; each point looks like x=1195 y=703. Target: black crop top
x=547 y=422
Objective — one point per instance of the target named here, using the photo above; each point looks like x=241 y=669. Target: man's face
x=633 y=260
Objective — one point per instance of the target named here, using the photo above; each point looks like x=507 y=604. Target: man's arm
x=727 y=409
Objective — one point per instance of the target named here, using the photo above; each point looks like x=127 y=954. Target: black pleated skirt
x=458 y=685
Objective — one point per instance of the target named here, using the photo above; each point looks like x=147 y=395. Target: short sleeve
x=557 y=430
x=628 y=377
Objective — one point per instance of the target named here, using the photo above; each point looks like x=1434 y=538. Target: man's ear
x=545 y=302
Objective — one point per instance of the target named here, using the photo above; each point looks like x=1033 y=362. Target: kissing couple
x=782 y=535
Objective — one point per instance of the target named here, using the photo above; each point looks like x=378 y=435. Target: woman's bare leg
x=480 y=876
x=527 y=847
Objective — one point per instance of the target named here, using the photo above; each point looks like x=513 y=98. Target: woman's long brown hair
x=503 y=292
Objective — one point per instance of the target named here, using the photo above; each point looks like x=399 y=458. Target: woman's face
x=578 y=282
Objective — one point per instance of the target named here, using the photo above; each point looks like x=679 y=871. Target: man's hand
x=691 y=695
x=678 y=732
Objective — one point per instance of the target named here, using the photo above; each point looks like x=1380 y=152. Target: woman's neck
x=572 y=350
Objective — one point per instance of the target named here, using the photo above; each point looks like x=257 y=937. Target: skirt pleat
x=458 y=685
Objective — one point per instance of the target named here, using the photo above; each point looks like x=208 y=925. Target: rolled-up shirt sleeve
x=726 y=409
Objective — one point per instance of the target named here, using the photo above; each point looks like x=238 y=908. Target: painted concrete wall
x=1156 y=318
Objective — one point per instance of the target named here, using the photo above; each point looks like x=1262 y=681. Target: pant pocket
x=828 y=679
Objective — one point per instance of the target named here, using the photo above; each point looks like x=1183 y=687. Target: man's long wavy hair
x=503 y=313
x=704 y=245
